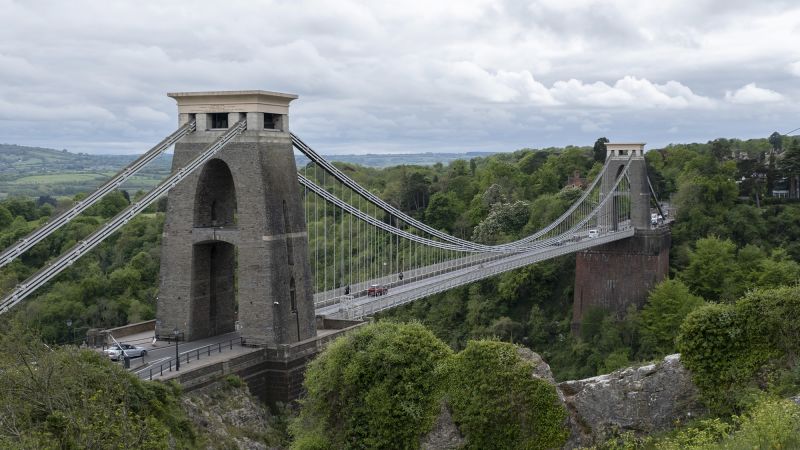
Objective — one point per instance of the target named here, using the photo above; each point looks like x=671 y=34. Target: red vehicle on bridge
x=376 y=290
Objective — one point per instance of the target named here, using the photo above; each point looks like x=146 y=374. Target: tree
x=776 y=140
x=504 y=218
x=667 y=305
x=443 y=211
x=790 y=165
x=720 y=148
x=599 y=150
x=712 y=272
x=415 y=191
x=506 y=330
x=5 y=217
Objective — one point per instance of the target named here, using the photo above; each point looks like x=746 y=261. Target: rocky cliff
x=640 y=399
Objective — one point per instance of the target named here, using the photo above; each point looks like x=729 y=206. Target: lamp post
x=69 y=330
x=175 y=332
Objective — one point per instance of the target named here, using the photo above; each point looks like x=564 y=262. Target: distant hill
x=397 y=159
x=35 y=171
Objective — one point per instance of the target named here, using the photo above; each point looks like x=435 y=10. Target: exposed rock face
x=639 y=399
x=445 y=435
x=229 y=417
x=540 y=368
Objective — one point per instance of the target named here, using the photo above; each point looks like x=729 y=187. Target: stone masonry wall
x=622 y=273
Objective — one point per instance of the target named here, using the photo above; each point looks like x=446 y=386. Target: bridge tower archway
x=619 y=155
x=235 y=230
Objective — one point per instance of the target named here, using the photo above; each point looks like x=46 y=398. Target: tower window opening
x=218 y=121
x=271 y=121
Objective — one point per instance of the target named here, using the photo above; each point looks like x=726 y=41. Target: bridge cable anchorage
x=608 y=213
x=377 y=201
x=115 y=223
x=64 y=218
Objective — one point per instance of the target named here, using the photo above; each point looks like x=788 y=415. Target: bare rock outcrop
x=229 y=417
x=445 y=434
x=540 y=368
x=641 y=399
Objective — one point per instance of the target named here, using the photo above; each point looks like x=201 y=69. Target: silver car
x=133 y=351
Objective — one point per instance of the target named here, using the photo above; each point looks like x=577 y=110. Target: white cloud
x=371 y=75
x=750 y=94
x=630 y=92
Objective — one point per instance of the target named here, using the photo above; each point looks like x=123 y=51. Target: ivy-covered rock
x=498 y=402
x=375 y=388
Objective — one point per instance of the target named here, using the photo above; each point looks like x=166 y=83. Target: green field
x=59 y=178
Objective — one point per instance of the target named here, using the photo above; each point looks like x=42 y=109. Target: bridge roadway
x=362 y=306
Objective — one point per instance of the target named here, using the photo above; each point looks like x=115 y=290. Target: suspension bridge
x=251 y=239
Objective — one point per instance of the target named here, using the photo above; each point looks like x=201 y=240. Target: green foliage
x=382 y=387
x=712 y=268
x=443 y=211
x=498 y=404
x=71 y=398
x=234 y=381
x=503 y=220
x=114 y=284
x=374 y=388
x=715 y=349
x=668 y=304
x=5 y=217
x=769 y=424
x=733 y=350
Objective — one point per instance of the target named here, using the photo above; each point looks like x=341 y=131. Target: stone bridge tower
x=619 y=274
x=235 y=242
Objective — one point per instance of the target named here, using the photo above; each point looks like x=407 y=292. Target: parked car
x=376 y=290
x=593 y=233
x=133 y=351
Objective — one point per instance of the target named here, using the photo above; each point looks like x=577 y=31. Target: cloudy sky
x=405 y=76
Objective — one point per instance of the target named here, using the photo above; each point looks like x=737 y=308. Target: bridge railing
x=187 y=356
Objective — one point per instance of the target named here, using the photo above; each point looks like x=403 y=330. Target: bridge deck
x=405 y=293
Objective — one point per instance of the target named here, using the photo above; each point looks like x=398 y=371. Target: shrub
x=234 y=381
x=374 y=388
x=498 y=403
x=734 y=350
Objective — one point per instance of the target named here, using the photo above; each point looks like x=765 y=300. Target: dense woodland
x=731 y=305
